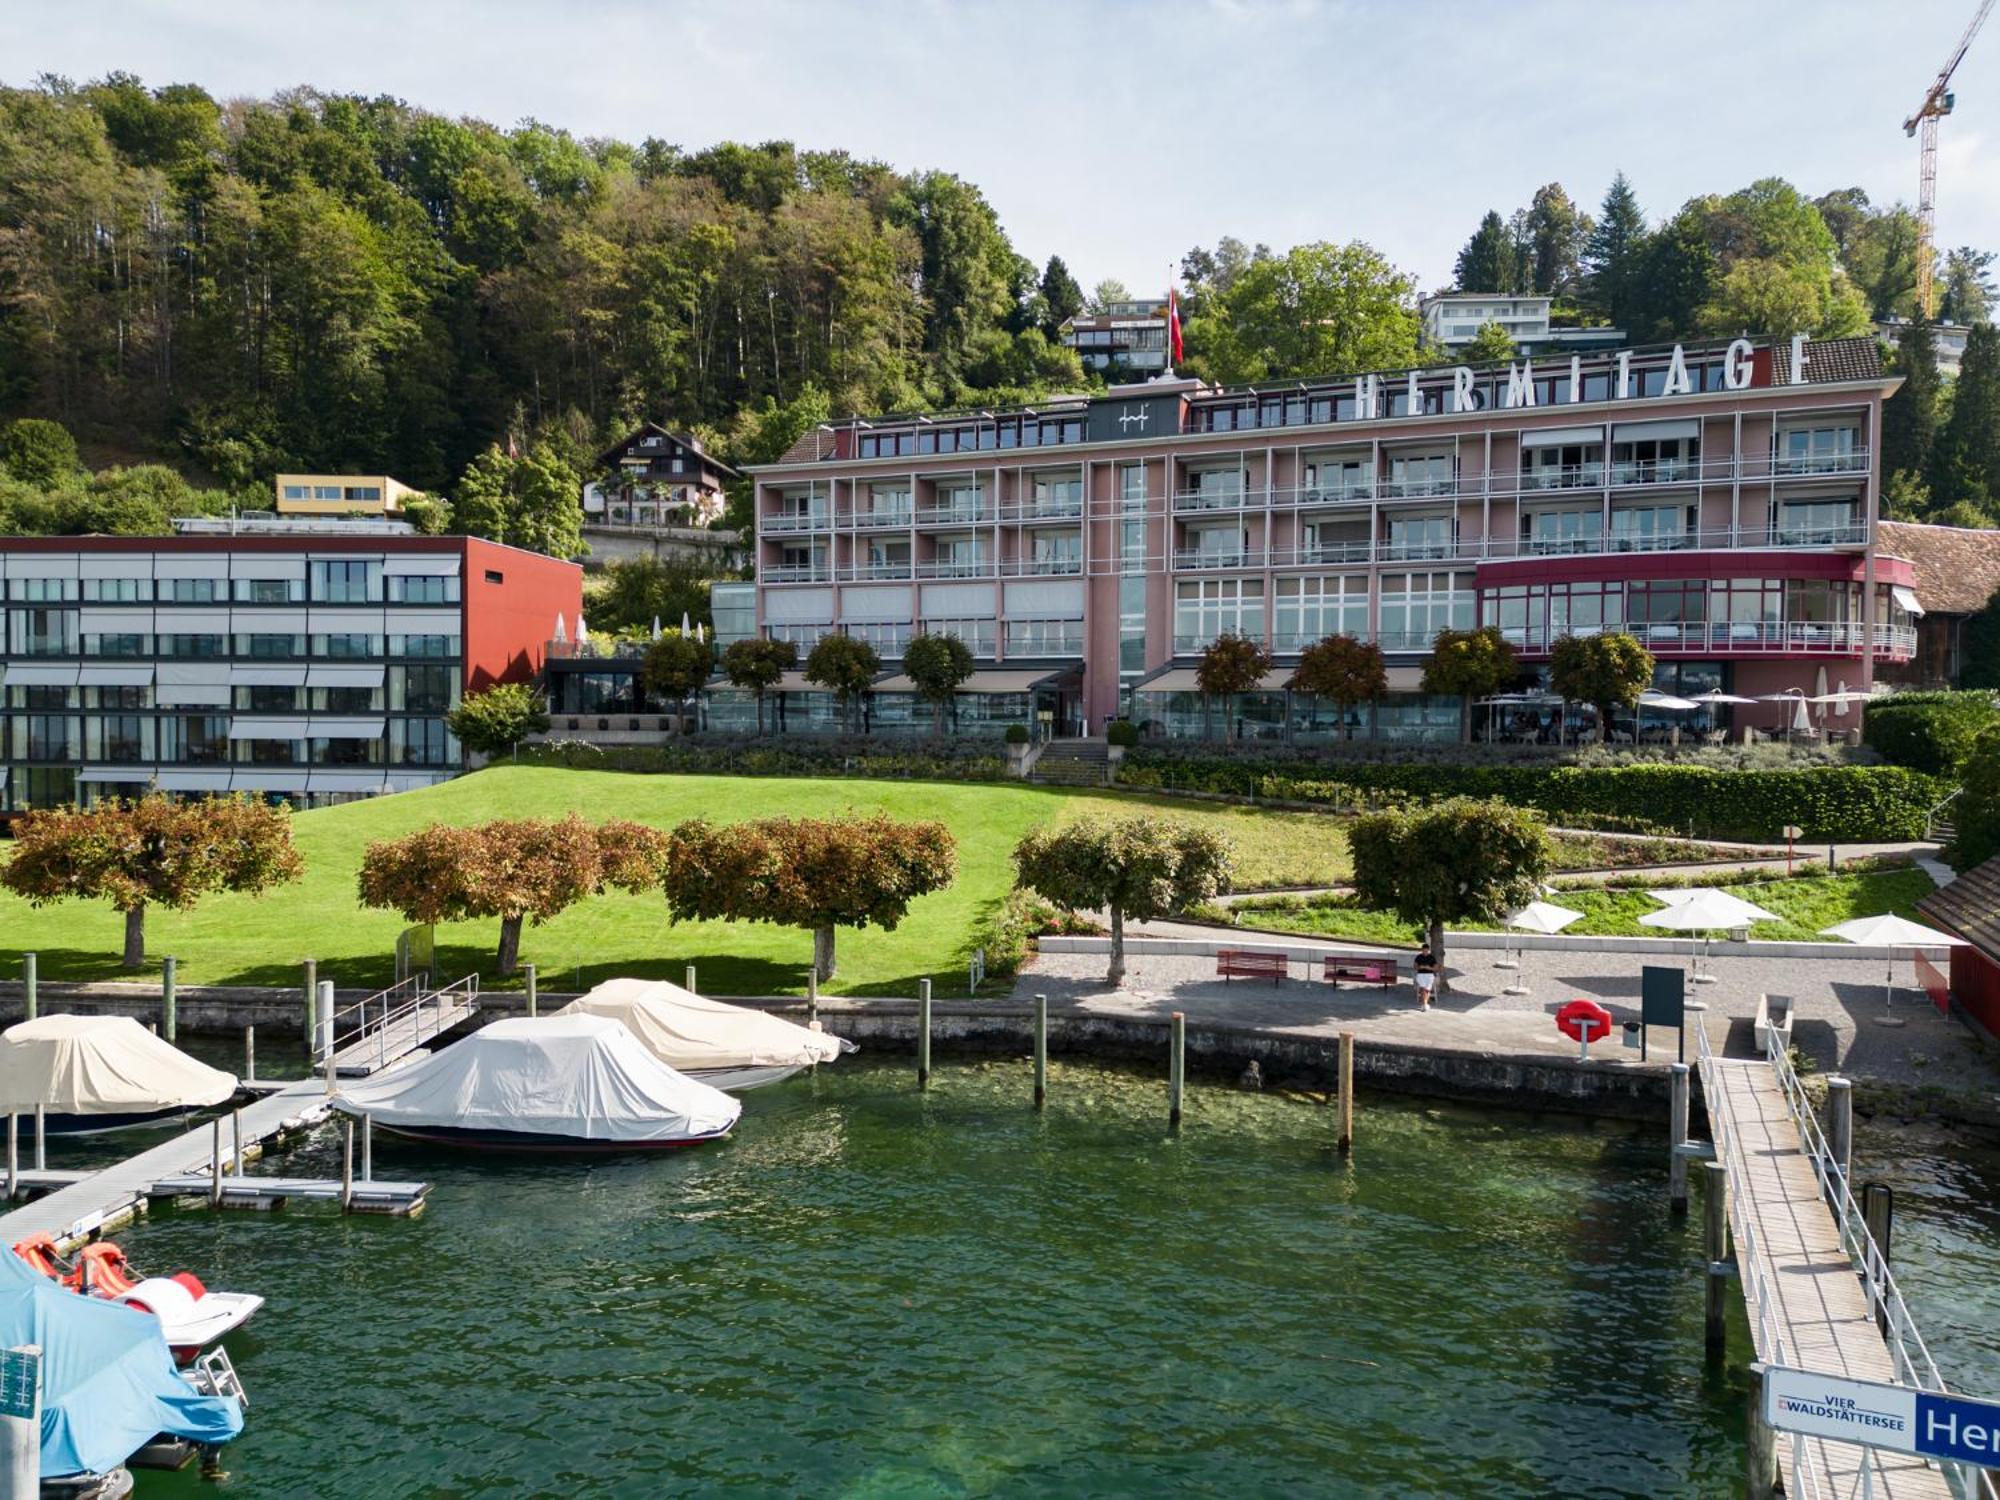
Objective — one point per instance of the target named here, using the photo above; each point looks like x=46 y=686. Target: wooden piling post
x=30 y=967
x=1176 y=1067
x=1041 y=1051
x=311 y=967
x=1715 y=1250
x=1840 y=1129
x=923 y=1033
x=1878 y=1212
x=1346 y=1141
x=347 y=1170
x=690 y=981
x=249 y=1054
x=1677 y=1134
x=1761 y=1447
x=41 y=1139
x=215 y=1162
x=167 y=997
x=528 y=977
x=236 y=1142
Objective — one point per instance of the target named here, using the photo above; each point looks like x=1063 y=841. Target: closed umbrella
x=561 y=637
x=686 y=628
x=1891 y=932
x=656 y=627
x=1706 y=911
x=1536 y=916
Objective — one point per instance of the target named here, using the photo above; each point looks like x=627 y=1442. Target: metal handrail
x=376 y=1013
x=1931 y=817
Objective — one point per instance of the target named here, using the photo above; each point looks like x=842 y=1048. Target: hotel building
x=1718 y=501
x=315 y=666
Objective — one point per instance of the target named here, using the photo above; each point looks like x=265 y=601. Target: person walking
x=1427 y=975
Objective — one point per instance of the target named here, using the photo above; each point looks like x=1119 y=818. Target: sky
x=1120 y=133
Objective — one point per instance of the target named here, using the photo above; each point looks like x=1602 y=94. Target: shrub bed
x=1929 y=732
x=1839 y=803
x=912 y=760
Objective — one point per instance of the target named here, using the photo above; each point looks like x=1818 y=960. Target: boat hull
x=736 y=1080
x=532 y=1141
x=159 y=1119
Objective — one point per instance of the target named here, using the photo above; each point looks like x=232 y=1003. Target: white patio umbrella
x=1668 y=703
x=1536 y=916
x=1707 y=911
x=656 y=627
x=1891 y=932
x=686 y=628
x=561 y=637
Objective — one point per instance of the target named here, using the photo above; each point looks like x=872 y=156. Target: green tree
x=1491 y=345
x=1975 y=816
x=1557 y=234
x=1457 y=861
x=1675 y=282
x=818 y=873
x=966 y=268
x=532 y=501
x=38 y=452
x=1607 y=671
x=1614 y=256
x=676 y=666
x=429 y=515
x=845 y=667
x=493 y=722
x=1230 y=666
x=1965 y=462
x=1981 y=667
x=1488 y=262
x=152 y=852
x=757 y=665
x=1344 y=671
x=1062 y=298
x=1965 y=287
x=1470 y=664
x=1105 y=293
x=634 y=592
x=1137 y=868
x=937 y=664
x=1317 y=308
x=1910 y=417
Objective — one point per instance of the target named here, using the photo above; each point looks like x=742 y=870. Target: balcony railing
x=973 y=567
x=1200 y=500
x=875 y=572
x=1564 y=477
x=1413 y=489
x=1739 y=637
x=883 y=520
x=1042 y=567
x=953 y=515
x=1328 y=494
x=1043 y=509
x=795 y=521
x=1199 y=559
x=797 y=573
x=1201 y=641
x=1066 y=641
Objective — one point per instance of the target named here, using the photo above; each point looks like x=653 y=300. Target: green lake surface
x=869 y=1291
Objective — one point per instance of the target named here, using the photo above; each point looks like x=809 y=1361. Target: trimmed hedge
x=1852 y=804
x=1929 y=732
x=918 y=760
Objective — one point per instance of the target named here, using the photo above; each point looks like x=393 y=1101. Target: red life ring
x=1583 y=1021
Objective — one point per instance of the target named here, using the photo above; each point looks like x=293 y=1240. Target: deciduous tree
x=493 y=722
x=1232 y=664
x=937 y=664
x=1141 y=868
x=1607 y=671
x=757 y=665
x=1343 y=671
x=1491 y=345
x=1470 y=664
x=676 y=666
x=818 y=873
x=845 y=667
x=1458 y=861
x=152 y=852
x=1316 y=309
x=1976 y=815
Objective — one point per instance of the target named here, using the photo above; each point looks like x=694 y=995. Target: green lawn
x=1806 y=904
x=244 y=940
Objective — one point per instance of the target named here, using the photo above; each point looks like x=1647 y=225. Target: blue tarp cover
x=108 y=1380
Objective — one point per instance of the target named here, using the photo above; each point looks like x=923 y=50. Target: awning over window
x=344 y=729
x=277 y=779
x=346 y=781
x=117 y=676
x=1560 y=437
x=361 y=677
x=1906 y=599
x=194 y=781
x=267 y=729
x=431 y=564
x=192 y=695
x=979 y=682
x=33 y=674
x=138 y=774
x=284 y=676
x=1631 y=432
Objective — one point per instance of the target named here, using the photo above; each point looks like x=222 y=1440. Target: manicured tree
x=676 y=666
x=1458 y=861
x=818 y=873
x=1607 y=671
x=516 y=869
x=845 y=667
x=153 y=852
x=1471 y=664
x=493 y=722
x=1232 y=664
x=757 y=665
x=1347 y=671
x=1975 y=816
x=1141 y=868
x=937 y=664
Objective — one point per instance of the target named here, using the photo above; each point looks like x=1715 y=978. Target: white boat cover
x=577 y=1077
x=687 y=1031
x=100 y=1065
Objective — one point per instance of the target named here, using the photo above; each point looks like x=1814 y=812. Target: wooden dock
x=1809 y=1307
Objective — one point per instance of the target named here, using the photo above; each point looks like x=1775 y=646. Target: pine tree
x=1614 y=255
x=1486 y=264
x=1062 y=293
x=1965 y=464
x=1909 y=418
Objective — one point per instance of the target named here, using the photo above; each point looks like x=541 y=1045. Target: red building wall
x=512 y=600
x=1975 y=986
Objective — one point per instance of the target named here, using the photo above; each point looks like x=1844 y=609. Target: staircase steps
x=1073 y=763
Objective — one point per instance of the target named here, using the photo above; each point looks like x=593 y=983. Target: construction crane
x=1937 y=104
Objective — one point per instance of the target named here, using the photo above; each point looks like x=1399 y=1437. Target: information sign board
x=1901 y=1418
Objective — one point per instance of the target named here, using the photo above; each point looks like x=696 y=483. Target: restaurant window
x=1305 y=610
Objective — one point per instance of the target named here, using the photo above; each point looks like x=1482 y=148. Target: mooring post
x=236 y=1142
x=528 y=977
x=812 y=997
x=1346 y=1093
x=1041 y=1050
x=1761 y=1449
x=41 y=1139
x=690 y=981
x=326 y=1027
x=1677 y=1135
x=312 y=998
x=1840 y=1130
x=215 y=1162
x=367 y=1148
x=249 y=1054
x=1715 y=1250
x=1176 y=1068
x=923 y=1033
x=30 y=964
x=1878 y=1212
x=347 y=1170
x=21 y=1435
x=167 y=967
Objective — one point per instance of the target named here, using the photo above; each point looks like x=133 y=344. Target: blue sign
x=20 y=1374
x=1953 y=1427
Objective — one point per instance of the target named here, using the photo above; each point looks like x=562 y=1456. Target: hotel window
x=119 y=737
x=115 y=697
x=271 y=647
x=345 y=700
x=1414 y=607
x=1519 y=611
x=269 y=698
x=347 y=582
x=887 y=559
x=1132 y=487
x=1210 y=607
x=43 y=697
x=1655 y=460
x=1652 y=528
x=194 y=647
x=51 y=737
x=1340 y=479
x=1217 y=546
x=1819 y=523
x=117 y=590
x=42 y=632
x=1561 y=531
x=1344 y=541
x=347 y=645
x=958 y=502
x=1419 y=474
x=326 y=492
x=199 y=739
x=423 y=645
x=1131 y=626
x=888 y=504
x=1746 y=609
x=977 y=634
x=1216 y=487
x=42 y=590
x=1821 y=601
x=194 y=590
x=419 y=742
x=297 y=492
x=1044 y=637
x=265 y=590
x=957 y=557
x=1562 y=466
x=123 y=643
x=1829 y=449
x=1655 y=601
x=1058 y=496
x=1585 y=608
x=422 y=690
x=423 y=588
x=1058 y=552
x=1421 y=536
x=1305 y=610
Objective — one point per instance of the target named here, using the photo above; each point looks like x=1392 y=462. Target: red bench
x=1241 y=963
x=1358 y=971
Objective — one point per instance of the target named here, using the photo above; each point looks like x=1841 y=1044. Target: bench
x=1358 y=971
x=1243 y=963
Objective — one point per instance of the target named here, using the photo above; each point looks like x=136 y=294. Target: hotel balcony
x=875 y=572
x=1195 y=560
x=1187 y=501
x=882 y=520
x=953 y=515
x=1044 y=637
x=1068 y=566
x=1742 y=638
x=954 y=567
x=1493 y=549
x=1066 y=509
x=781 y=522
x=796 y=573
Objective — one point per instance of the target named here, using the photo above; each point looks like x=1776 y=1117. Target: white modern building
x=1453 y=319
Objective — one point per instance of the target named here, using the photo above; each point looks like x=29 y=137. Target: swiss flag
x=1173 y=327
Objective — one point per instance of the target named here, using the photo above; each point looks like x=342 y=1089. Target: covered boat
x=727 y=1046
x=109 y=1386
x=91 y=1074
x=191 y=1316
x=558 y=1083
